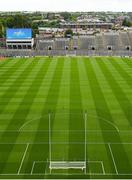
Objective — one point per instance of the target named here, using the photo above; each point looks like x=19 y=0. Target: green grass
x=66 y=87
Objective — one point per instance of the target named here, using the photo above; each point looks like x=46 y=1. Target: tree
x=10 y=22
x=18 y=21
x=35 y=29
x=66 y=15
x=127 y=23
x=1 y=30
x=68 y=33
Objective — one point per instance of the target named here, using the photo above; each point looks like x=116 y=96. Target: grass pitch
x=66 y=87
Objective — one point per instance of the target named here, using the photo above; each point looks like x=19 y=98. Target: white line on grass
x=28 y=122
x=90 y=115
x=46 y=166
x=24 y=155
x=65 y=131
x=42 y=174
x=90 y=143
x=109 y=122
x=102 y=164
x=113 y=158
x=32 y=167
x=113 y=125
x=36 y=162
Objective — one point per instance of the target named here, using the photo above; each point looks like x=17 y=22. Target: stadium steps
x=125 y=39
x=130 y=37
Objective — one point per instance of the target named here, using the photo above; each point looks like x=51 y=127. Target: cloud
x=65 y=5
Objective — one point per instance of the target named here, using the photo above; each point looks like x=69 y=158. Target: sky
x=66 y=5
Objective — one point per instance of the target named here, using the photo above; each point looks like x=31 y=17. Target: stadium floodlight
x=82 y=165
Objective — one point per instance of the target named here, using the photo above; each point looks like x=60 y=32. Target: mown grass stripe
x=111 y=81
x=115 y=109
x=126 y=76
x=118 y=117
x=9 y=64
x=4 y=63
x=11 y=91
x=88 y=105
x=61 y=121
x=10 y=71
x=19 y=115
x=128 y=61
x=76 y=152
x=118 y=92
x=32 y=94
x=92 y=119
x=122 y=71
x=49 y=105
x=29 y=95
x=101 y=106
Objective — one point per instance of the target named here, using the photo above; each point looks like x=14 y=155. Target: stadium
x=66 y=106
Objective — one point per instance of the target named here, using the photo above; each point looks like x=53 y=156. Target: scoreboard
x=20 y=34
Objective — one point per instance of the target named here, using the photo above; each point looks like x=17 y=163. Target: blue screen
x=19 y=33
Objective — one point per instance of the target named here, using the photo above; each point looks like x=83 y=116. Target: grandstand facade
x=106 y=43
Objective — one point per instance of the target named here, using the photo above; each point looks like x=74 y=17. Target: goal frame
x=82 y=165
x=67 y=165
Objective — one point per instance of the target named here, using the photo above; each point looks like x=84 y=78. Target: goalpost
x=82 y=165
x=71 y=53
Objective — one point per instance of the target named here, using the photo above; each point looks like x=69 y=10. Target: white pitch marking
x=102 y=164
x=90 y=143
x=35 y=162
x=113 y=158
x=24 y=155
x=65 y=131
x=32 y=167
x=41 y=174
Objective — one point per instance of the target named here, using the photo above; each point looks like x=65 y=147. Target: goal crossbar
x=67 y=165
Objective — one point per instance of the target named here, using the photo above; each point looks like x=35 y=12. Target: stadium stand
x=75 y=43
x=112 y=41
x=106 y=43
x=61 y=44
x=91 y=43
x=87 y=42
x=125 y=40
x=83 y=42
x=130 y=37
x=45 y=45
x=99 y=42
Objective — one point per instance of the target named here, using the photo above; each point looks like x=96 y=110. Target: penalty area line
x=24 y=155
x=113 y=158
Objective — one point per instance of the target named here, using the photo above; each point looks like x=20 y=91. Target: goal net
x=67 y=165
x=70 y=55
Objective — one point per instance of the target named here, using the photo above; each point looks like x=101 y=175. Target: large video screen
x=19 y=33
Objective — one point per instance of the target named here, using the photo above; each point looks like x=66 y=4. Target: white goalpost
x=71 y=55
x=82 y=165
